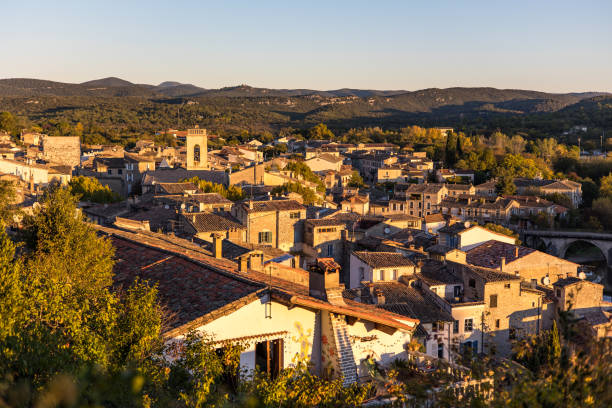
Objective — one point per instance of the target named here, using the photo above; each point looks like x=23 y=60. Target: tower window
x=196 y=153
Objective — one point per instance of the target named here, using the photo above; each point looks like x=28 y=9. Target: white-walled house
x=280 y=316
x=378 y=267
x=465 y=237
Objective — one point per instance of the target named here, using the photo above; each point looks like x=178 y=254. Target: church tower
x=197 y=148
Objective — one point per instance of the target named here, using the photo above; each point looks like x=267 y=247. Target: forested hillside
x=115 y=110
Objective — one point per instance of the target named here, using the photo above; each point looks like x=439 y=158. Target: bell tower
x=197 y=148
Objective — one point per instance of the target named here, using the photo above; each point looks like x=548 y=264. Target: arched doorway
x=592 y=258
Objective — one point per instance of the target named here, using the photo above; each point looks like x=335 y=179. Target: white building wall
x=474 y=312
x=475 y=236
x=367 y=340
x=250 y=320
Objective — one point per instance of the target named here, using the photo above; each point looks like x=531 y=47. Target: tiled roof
x=210 y=222
x=437 y=273
x=325 y=222
x=427 y=188
x=273 y=205
x=107 y=210
x=491 y=275
x=440 y=249
x=175 y=188
x=567 y=281
x=489 y=254
x=436 y=217
x=175 y=175
x=453 y=228
x=459 y=187
x=189 y=290
x=197 y=288
x=416 y=237
x=158 y=217
x=383 y=259
x=409 y=301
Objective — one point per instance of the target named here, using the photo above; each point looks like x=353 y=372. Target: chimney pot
x=503 y=264
x=217 y=245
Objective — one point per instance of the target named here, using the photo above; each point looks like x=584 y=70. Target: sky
x=554 y=46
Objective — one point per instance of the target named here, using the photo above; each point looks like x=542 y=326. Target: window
x=456 y=326
x=109 y=171
x=294 y=215
x=381 y=275
x=265 y=237
x=196 y=153
x=472 y=283
x=361 y=273
x=395 y=273
x=330 y=250
x=468 y=325
x=497 y=323
x=558 y=293
x=493 y=301
x=269 y=357
x=507 y=286
x=434 y=290
x=120 y=171
x=440 y=350
x=457 y=291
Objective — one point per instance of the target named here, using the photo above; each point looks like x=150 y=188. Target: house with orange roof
x=280 y=316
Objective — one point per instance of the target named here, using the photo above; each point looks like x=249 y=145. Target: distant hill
x=108 y=82
x=426 y=100
x=118 y=109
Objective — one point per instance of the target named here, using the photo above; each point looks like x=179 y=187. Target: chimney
x=324 y=281
x=243 y=263
x=502 y=265
x=516 y=249
x=218 y=246
x=250 y=204
x=256 y=260
x=380 y=297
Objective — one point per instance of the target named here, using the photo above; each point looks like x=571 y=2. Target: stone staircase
x=346 y=359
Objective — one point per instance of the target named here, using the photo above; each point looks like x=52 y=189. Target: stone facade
x=65 y=150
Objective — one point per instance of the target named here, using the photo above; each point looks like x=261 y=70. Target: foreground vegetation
x=69 y=338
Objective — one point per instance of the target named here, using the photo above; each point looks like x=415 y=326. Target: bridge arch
x=583 y=245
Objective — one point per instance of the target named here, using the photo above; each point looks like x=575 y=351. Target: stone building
x=299 y=319
x=197 y=149
x=204 y=225
x=526 y=263
x=278 y=223
x=65 y=150
x=378 y=267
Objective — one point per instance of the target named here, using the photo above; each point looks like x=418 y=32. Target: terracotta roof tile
x=383 y=259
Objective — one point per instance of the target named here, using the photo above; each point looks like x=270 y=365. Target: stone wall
x=65 y=150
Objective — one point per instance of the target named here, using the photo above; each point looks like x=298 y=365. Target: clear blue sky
x=539 y=44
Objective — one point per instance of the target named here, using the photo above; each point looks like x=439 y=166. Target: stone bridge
x=556 y=242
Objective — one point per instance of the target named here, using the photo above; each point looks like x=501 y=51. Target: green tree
x=68 y=317
x=605 y=190
x=356 y=180
x=308 y=195
x=505 y=185
x=89 y=189
x=8 y=123
x=7 y=200
x=502 y=230
x=233 y=193
x=602 y=208
x=320 y=132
